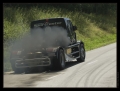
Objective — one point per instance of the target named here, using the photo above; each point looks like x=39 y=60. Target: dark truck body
x=51 y=56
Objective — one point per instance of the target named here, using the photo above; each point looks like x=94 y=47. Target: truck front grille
x=45 y=61
x=34 y=55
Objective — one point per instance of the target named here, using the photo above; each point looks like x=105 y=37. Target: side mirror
x=74 y=28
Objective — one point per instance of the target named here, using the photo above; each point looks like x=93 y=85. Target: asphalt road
x=98 y=70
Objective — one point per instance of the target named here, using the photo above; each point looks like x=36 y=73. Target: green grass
x=93 y=29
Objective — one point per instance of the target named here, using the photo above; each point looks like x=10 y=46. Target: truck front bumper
x=35 y=62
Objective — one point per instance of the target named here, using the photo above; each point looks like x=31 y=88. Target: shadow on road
x=46 y=70
x=68 y=64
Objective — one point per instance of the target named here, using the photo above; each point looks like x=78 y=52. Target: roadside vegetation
x=96 y=23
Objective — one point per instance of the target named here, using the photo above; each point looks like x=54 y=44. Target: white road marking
x=9 y=72
x=51 y=77
x=92 y=62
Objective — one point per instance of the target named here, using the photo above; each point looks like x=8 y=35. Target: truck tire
x=81 y=53
x=59 y=63
x=16 y=70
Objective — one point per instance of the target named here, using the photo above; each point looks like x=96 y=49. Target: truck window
x=68 y=26
x=72 y=33
x=71 y=26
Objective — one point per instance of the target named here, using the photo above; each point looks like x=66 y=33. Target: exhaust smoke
x=43 y=38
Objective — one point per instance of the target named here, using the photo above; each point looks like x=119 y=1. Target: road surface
x=98 y=70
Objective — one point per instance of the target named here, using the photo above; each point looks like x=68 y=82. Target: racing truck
x=42 y=54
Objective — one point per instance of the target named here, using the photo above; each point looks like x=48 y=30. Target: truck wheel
x=82 y=53
x=60 y=62
x=16 y=70
x=27 y=70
